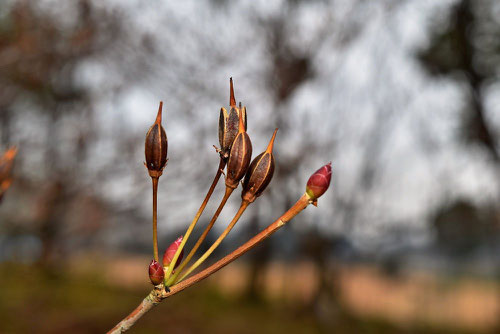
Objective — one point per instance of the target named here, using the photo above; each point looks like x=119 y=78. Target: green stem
x=222 y=164
x=184 y=263
x=243 y=206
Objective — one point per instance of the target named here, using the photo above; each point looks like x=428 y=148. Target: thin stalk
x=243 y=206
x=155 y=217
x=156 y=296
x=300 y=205
x=222 y=164
x=184 y=263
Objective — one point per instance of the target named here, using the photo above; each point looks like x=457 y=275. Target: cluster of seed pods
x=235 y=153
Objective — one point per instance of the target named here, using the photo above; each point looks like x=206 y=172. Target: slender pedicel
x=202 y=238
x=257 y=178
x=228 y=229
x=155 y=149
x=222 y=164
x=300 y=205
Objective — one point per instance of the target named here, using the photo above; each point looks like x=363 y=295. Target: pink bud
x=168 y=256
x=156 y=273
x=318 y=182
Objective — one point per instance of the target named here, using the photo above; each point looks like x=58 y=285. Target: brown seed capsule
x=259 y=173
x=156 y=147
x=239 y=157
x=228 y=123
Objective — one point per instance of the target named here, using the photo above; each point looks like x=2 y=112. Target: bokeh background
x=402 y=96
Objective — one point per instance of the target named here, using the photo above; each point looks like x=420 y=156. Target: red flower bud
x=168 y=256
x=318 y=182
x=156 y=273
x=156 y=147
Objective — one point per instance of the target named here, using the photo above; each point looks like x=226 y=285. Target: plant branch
x=222 y=164
x=184 y=263
x=158 y=295
x=300 y=205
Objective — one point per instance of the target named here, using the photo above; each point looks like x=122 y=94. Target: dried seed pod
x=239 y=157
x=156 y=147
x=170 y=252
x=228 y=123
x=259 y=173
x=156 y=273
x=319 y=182
x=228 y=129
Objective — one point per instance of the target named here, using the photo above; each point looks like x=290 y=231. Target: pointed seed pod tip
x=241 y=122
x=232 y=100
x=158 y=116
x=270 y=146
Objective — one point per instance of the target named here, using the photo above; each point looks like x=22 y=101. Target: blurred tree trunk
x=456 y=49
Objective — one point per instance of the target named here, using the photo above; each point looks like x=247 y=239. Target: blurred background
x=402 y=96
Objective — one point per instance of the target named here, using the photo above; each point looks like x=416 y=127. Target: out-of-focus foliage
x=468 y=46
x=466 y=49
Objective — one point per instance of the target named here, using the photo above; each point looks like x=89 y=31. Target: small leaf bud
x=156 y=273
x=168 y=256
x=319 y=182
